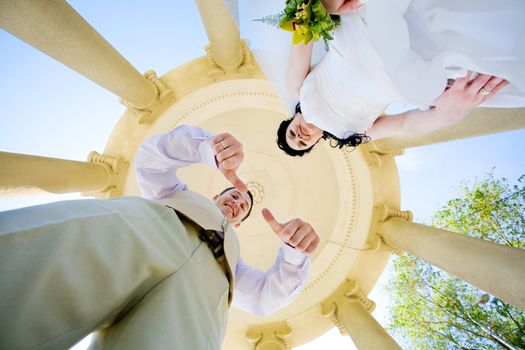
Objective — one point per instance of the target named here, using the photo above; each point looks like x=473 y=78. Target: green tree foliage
x=431 y=309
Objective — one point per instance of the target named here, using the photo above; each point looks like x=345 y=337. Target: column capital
x=375 y=157
x=216 y=71
x=348 y=292
x=23 y=173
x=384 y=212
x=116 y=168
x=58 y=30
x=247 y=67
x=269 y=336
x=476 y=261
x=381 y=214
x=164 y=96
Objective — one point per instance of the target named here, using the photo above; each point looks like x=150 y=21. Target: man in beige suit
x=143 y=273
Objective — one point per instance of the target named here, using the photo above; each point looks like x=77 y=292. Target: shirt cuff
x=206 y=153
x=292 y=255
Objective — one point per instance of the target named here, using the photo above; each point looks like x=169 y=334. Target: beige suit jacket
x=207 y=215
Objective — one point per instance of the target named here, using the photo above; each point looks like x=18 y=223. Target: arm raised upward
x=298 y=67
x=159 y=158
x=452 y=106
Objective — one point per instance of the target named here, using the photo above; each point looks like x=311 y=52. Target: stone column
x=482 y=121
x=349 y=308
x=224 y=36
x=495 y=268
x=227 y=53
x=56 y=29
x=20 y=172
x=273 y=336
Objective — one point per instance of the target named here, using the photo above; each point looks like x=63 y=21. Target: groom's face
x=234 y=205
x=301 y=135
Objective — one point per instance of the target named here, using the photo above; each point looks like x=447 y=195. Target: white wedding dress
x=403 y=51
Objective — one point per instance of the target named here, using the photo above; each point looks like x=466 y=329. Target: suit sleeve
x=262 y=293
x=159 y=158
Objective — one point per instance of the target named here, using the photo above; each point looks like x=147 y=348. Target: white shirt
x=157 y=161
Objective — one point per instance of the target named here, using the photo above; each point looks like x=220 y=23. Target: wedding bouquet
x=307 y=19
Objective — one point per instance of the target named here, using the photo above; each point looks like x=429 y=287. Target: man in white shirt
x=135 y=269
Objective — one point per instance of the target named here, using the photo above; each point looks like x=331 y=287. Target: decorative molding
x=164 y=91
x=329 y=309
x=247 y=67
x=164 y=97
x=348 y=292
x=248 y=94
x=267 y=98
x=383 y=213
x=256 y=190
x=375 y=157
x=143 y=116
x=116 y=168
x=382 y=244
x=269 y=336
x=214 y=70
x=349 y=225
x=95 y=157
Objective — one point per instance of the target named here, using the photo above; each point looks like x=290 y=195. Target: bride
x=405 y=51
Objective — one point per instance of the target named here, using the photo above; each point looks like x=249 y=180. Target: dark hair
x=353 y=140
x=249 y=195
x=281 y=137
x=282 y=144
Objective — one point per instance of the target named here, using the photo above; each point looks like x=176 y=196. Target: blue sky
x=53 y=111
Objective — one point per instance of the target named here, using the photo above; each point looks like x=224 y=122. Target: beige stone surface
x=336 y=191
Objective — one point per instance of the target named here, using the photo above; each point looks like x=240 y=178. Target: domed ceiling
x=330 y=188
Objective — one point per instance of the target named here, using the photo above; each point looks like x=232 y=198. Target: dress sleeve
x=262 y=293
x=159 y=158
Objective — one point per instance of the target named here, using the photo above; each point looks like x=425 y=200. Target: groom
x=154 y=273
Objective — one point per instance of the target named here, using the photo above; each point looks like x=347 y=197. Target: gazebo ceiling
x=331 y=189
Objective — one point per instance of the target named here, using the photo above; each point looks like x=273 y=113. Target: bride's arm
x=454 y=104
x=340 y=7
x=298 y=67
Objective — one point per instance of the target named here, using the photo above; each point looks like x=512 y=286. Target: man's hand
x=296 y=233
x=465 y=95
x=229 y=156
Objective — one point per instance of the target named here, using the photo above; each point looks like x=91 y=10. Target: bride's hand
x=340 y=7
x=465 y=95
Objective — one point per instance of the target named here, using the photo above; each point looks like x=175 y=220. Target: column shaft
x=482 y=121
x=20 y=171
x=56 y=29
x=495 y=268
x=222 y=32
x=366 y=332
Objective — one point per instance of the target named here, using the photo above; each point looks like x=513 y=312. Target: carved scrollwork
x=375 y=157
x=116 y=168
x=347 y=292
x=163 y=98
x=269 y=336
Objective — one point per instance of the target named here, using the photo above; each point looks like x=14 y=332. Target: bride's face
x=340 y=7
x=301 y=135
